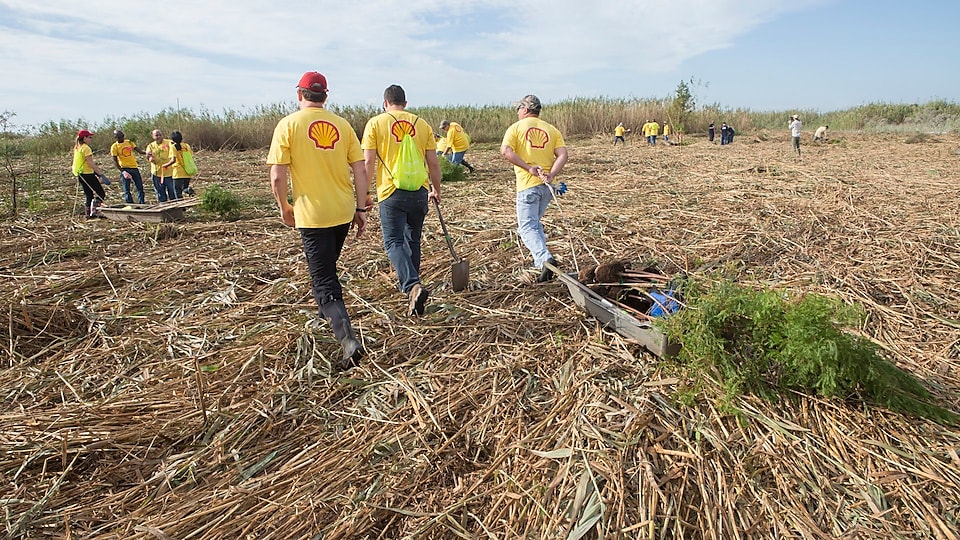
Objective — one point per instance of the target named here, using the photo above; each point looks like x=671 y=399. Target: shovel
x=460 y=269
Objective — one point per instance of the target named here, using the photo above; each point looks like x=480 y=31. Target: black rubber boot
x=336 y=314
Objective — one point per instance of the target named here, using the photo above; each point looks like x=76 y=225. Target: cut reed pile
x=172 y=382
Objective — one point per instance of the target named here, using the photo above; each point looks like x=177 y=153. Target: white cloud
x=100 y=58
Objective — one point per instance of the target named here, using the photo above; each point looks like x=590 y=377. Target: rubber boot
x=336 y=314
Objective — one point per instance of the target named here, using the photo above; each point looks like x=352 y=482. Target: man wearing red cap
x=317 y=150
x=402 y=211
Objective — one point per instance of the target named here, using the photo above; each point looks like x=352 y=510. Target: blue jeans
x=531 y=205
x=401 y=223
x=456 y=157
x=137 y=181
x=165 y=191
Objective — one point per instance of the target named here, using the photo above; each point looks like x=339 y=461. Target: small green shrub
x=920 y=137
x=451 y=173
x=220 y=201
x=767 y=343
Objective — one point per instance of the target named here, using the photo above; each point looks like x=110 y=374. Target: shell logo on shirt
x=401 y=128
x=537 y=137
x=324 y=134
x=126 y=151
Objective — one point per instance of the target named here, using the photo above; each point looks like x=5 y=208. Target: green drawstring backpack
x=409 y=173
x=189 y=164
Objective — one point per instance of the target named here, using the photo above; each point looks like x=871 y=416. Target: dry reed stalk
x=170 y=383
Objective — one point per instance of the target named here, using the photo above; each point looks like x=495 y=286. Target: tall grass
x=577 y=117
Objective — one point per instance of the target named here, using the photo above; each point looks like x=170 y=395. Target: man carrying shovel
x=538 y=153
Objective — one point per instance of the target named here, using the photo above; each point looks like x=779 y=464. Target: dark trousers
x=322 y=248
x=137 y=181
x=180 y=185
x=91 y=189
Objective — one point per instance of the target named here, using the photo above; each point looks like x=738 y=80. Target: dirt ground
x=172 y=381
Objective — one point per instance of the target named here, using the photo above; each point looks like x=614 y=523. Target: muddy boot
x=336 y=314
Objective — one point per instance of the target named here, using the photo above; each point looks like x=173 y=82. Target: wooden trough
x=616 y=318
x=149 y=213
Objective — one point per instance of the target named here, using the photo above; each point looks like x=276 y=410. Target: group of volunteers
x=171 y=167
x=650 y=130
x=331 y=170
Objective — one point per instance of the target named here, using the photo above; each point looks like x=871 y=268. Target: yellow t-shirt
x=318 y=147
x=85 y=151
x=383 y=134
x=161 y=155
x=457 y=138
x=177 y=170
x=646 y=129
x=534 y=141
x=619 y=131
x=442 y=145
x=666 y=130
x=123 y=151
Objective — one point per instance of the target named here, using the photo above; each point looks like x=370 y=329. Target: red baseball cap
x=312 y=78
x=83 y=134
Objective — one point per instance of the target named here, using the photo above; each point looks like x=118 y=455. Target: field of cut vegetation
x=173 y=381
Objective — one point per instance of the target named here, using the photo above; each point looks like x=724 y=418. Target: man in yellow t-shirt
x=318 y=150
x=666 y=132
x=401 y=212
x=618 y=133
x=457 y=143
x=648 y=132
x=122 y=152
x=158 y=154
x=538 y=153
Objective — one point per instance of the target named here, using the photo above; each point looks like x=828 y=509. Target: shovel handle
x=446 y=235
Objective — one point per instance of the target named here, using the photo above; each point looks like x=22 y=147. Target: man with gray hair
x=538 y=153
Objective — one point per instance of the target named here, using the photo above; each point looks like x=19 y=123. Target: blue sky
x=101 y=58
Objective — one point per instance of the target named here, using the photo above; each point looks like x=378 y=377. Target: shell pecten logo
x=537 y=137
x=126 y=151
x=401 y=128
x=324 y=134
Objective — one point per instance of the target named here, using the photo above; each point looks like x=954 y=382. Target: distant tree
x=683 y=105
x=5 y=122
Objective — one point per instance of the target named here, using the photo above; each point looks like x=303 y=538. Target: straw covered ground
x=173 y=382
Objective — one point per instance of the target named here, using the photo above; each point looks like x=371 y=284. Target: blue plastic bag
x=664 y=303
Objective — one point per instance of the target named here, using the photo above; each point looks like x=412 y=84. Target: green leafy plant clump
x=220 y=201
x=767 y=342
x=451 y=172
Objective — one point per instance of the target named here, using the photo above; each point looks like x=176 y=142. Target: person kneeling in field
x=820 y=135
x=457 y=143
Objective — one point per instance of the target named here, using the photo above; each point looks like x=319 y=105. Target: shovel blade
x=460 y=271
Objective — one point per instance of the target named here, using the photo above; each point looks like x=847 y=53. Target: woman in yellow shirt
x=87 y=173
x=181 y=179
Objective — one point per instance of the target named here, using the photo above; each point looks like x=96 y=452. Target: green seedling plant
x=770 y=343
x=451 y=172
x=221 y=202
